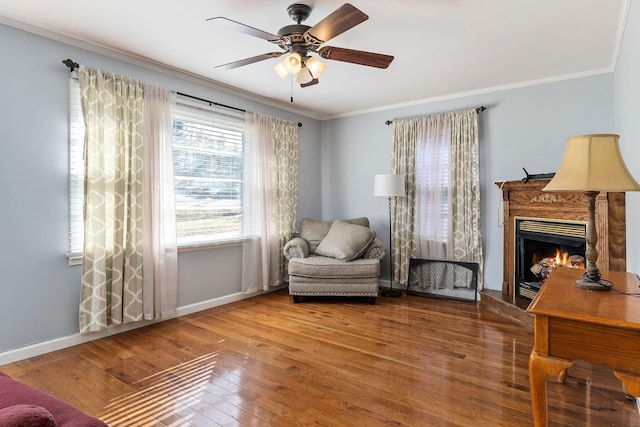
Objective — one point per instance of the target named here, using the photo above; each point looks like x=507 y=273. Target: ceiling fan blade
x=247 y=61
x=359 y=57
x=237 y=26
x=339 y=21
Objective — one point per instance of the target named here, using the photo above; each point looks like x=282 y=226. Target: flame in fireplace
x=541 y=268
x=563 y=259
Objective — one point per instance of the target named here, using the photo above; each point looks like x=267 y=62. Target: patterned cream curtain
x=465 y=189
x=403 y=161
x=111 y=290
x=285 y=171
x=440 y=218
x=270 y=199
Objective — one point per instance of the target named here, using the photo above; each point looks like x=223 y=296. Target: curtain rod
x=217 y=104
x=72 y=65
x=211 y=102
x=480 y=109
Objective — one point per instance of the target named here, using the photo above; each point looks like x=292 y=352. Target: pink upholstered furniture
x=23 y=405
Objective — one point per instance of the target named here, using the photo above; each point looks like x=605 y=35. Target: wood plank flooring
x=265 y=361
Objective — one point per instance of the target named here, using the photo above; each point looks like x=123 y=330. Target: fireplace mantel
x=527 y=200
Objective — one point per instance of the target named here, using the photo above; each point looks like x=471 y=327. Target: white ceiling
x=442 y=48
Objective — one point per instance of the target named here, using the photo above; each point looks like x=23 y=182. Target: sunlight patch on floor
x=163 y=395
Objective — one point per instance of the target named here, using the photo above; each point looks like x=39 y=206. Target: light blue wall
x=627 y=95
x=39 y=291
x=525 y=127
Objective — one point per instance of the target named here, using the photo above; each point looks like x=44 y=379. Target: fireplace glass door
x=541 y=247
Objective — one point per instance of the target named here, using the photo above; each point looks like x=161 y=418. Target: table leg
x=540 y=367
x=630 y=382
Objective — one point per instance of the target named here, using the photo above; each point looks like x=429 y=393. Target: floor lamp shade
x=388 y=185
x=591 y=164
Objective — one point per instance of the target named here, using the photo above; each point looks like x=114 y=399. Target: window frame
x=223 y=119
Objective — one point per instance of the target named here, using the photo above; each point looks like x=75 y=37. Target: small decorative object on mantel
x=529 y=176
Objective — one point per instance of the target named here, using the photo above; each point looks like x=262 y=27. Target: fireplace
x=531 y=214
x=541 y=246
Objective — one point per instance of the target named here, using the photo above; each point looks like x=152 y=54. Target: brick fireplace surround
x=527 y=200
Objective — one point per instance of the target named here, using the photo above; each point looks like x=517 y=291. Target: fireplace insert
x=541 y=247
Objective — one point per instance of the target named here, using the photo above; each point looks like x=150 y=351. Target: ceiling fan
x=300 y=41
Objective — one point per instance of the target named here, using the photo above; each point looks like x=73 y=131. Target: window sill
x=76 y=259
x=211 y=245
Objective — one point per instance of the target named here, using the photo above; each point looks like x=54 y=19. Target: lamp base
x=590 y=285
x=391 y=293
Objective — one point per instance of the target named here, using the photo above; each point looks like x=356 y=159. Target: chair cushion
x=345 y=241
x=325 y=267
x=314 y=230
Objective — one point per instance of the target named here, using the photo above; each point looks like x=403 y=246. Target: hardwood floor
x=264 y=361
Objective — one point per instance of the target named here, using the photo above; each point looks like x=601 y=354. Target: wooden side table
x=597 y=327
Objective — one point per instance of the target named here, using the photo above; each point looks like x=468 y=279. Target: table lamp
x=591 y=164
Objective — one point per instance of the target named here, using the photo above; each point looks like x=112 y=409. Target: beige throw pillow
x=345 y=241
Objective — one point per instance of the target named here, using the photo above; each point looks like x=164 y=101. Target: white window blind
x=208 y=160
x=76 y=170
x=432 y=181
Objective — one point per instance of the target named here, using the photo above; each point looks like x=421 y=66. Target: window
x=208 y=166
x=433 y=188
x=207 y=161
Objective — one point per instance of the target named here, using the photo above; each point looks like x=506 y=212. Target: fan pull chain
x=291 y=80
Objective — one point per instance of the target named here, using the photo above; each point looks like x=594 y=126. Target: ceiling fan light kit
x=315 y=66
x=281 y=70
x=304 y=76
x=293 y=63
x=299 y=41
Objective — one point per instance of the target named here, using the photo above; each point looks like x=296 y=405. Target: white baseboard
x=75 y=339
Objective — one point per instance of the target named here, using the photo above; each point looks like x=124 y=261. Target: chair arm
x=376 y=250
x=296 y=248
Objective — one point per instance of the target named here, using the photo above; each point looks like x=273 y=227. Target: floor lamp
x=389 y=186
x=591 y=164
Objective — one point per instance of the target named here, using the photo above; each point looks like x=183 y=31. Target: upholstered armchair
x=338 y=258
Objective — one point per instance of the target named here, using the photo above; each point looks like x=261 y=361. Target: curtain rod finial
x=71 y=64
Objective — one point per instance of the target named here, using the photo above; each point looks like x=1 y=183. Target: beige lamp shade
x=593 y=163
x=388 y=185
